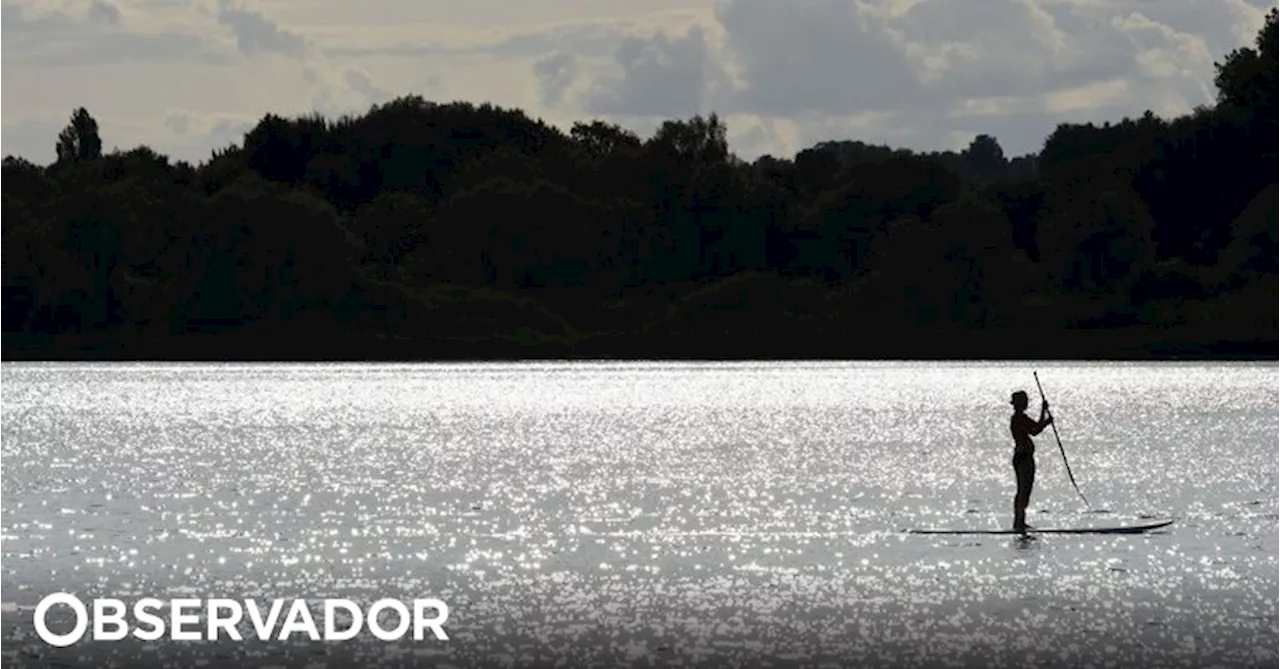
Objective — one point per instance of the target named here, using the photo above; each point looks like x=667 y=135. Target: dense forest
x=449 y=231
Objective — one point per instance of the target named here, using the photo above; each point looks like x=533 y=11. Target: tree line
x=422 y=230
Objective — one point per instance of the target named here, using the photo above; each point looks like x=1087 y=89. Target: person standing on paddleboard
x=1024 y=462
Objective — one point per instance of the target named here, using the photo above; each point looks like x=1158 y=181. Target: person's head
x=1019 y=401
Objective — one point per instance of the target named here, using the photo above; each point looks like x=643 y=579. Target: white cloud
x=128 y=64
x=935 y=71
x=918 y=73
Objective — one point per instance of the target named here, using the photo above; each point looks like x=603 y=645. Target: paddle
x=1054 y=425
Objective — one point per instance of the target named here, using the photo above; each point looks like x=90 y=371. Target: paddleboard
x=1123 y=529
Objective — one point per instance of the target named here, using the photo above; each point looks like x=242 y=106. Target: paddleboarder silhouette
x=1024 y=461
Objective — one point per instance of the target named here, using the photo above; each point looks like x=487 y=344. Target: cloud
x=876 y=65
x=128 y=67
x=924 y=74
x=336 y=88
x=342 y=90
x=25 y=18
x=819 y=57
x=187 y=122
x=425 y=41
x=1222 y=25
x=1007 y=48
x=555 y=73
x=660 y=76
x=95 y=33
x=255 y=34
x=101 y=11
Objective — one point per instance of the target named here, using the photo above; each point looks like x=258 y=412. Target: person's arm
x=1046 y=419
x=1026 y=425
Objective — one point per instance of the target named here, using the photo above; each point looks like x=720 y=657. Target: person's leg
x=1024 y=469
x=1018 y=514
x=1031 y=484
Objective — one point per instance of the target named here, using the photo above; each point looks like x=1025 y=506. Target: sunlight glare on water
x=655 y=513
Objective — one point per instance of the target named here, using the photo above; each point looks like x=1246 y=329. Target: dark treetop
x=446 y=231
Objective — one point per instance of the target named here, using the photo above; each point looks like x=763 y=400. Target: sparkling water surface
x=654 y=514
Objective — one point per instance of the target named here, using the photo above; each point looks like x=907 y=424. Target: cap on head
x=1019 y=399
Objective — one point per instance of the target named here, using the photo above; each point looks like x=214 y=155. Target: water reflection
x=1025 y=543
x=660 y=514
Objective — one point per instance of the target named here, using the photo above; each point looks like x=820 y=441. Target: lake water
x=652 y=514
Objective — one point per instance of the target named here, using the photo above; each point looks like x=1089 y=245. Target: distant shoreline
x=943 y=346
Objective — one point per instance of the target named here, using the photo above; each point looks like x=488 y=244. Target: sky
x=188 y=76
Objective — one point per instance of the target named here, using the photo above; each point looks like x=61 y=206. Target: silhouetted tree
x=1246 y=78
x=984 y=159
x=79 y=141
